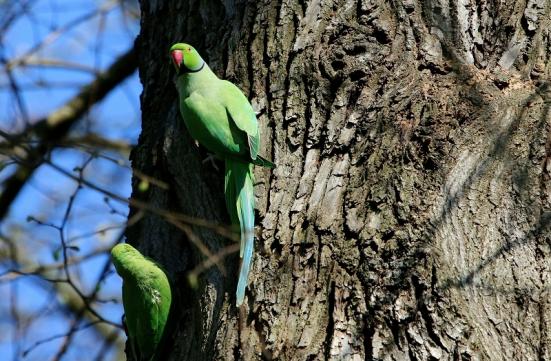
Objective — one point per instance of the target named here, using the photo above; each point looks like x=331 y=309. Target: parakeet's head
x=186 y=59
x=123 y=254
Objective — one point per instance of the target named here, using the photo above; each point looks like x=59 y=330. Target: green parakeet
x=220 y=117
x=146 y=298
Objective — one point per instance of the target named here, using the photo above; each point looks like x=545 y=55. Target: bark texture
x=409 y=214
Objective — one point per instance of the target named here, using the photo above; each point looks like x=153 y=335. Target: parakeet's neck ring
x=185 y=70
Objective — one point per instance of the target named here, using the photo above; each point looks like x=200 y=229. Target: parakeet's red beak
x=177 y=58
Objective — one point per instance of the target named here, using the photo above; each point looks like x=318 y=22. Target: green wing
x=208 y=122
x=242 y=114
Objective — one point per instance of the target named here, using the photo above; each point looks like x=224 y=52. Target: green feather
x=146 y=297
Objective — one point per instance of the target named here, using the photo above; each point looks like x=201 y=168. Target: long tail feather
x=240 y=204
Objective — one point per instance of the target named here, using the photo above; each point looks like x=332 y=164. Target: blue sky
x=92 y=45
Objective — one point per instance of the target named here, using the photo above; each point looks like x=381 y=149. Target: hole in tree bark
x=337 y=65
x=357 y=75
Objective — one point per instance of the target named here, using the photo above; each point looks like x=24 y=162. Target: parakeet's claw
x=211 y=158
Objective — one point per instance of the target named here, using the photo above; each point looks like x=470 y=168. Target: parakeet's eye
x=188 y=49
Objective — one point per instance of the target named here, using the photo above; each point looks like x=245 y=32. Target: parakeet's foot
x=210 y=158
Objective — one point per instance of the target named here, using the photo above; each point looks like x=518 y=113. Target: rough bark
x=409 y=214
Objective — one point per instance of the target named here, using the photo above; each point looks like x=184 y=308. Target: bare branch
x=56 y=126
x=64 y=64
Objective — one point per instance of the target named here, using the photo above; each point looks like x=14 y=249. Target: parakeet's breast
x=207 y=121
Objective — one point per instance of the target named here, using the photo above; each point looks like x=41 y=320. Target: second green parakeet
x=146 y=297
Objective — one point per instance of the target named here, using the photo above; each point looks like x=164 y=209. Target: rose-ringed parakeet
x=220 y=117
x=146 y=298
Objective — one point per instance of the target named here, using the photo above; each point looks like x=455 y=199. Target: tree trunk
x=409 y=214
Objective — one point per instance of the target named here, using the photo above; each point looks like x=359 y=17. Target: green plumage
x=220 y=117
x=146 y=297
